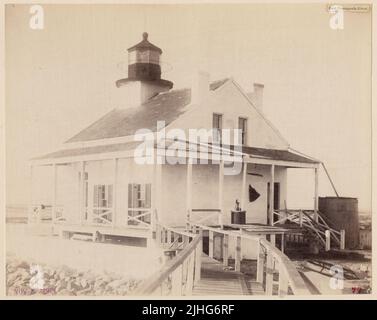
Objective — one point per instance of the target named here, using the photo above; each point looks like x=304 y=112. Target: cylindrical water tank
x=342 y=213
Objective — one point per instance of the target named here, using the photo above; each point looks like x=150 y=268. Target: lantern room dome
x=144 y=69
x=145 y=45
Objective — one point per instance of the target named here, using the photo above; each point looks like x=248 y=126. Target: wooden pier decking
x=217 y=281
x=191 y=272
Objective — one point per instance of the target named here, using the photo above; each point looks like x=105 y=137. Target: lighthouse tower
x=144 y=73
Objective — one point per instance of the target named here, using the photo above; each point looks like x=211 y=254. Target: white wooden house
x=96 y=185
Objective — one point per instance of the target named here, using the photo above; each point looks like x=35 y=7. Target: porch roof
x=92 y=150
x=281 y=155
x=253 y=152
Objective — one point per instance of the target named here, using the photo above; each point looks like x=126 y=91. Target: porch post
x=243 y=191
x=54 y=192
x=189 y=189
x=271 y=207
x=316 y=194
x=157 y=193
x=115 y=178
x=221 y=187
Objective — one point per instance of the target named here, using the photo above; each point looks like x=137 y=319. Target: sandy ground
x=77 y=259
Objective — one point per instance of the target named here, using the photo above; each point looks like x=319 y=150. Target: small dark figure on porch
x=238 y=215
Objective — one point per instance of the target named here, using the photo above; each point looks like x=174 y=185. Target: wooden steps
x=217 y=281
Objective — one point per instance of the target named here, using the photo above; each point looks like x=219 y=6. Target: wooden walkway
x=217 y=281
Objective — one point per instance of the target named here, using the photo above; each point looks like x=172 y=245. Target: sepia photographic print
x=186 y=150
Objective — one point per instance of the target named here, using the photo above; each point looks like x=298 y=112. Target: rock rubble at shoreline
x=63 y=281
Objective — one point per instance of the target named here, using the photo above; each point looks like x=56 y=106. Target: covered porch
x=107 y=192
x=96 y=194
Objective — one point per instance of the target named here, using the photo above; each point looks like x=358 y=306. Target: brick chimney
x=256 y=96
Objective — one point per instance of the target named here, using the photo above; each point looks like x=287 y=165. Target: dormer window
x=242 y=126
x=217 y=124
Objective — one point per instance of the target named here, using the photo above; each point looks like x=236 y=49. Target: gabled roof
x=167 y=106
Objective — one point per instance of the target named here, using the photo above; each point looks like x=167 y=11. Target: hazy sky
x=317 y=80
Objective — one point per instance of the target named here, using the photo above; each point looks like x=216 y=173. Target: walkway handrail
x=180 y=273
x=287 y=270
x=270 y=261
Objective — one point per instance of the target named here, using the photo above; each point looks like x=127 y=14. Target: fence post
x=283 y=283
x=169 y=237
x=273 y=239
x=190 y=274
x=176 y=281
x=210 y=244
x=164 y=236
x=225 y=250
x=198 y=258
x=300 y=217
x=260 y=264
x=327 y=236
x=176 y=238
x=342 y=239
x=269 y=274
x=282 y=246
x=237 y=263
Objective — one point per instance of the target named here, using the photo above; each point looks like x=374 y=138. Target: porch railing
x=178 y=276
x=58 y=214
x=139 y=217
x=205 y=216
x=305 y=219
x=99 y=215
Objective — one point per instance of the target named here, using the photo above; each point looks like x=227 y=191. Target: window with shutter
x=102 y=201
x=242 y=126
x=139 y=197
x=217 y=125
